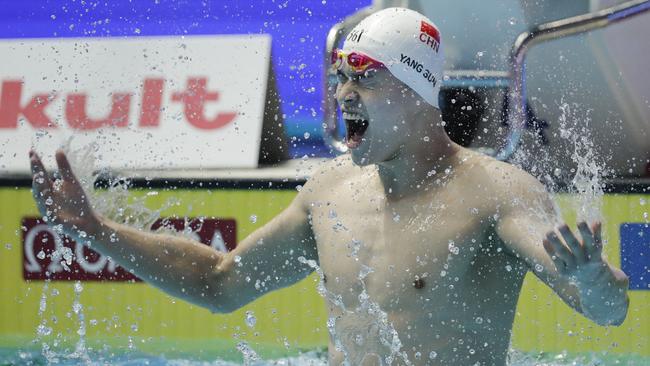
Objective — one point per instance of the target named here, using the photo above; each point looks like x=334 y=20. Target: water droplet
x=306 y=135
x=49 y=201
x=396 y=218
x=512 y=20
x=508 y=267
x=478 y=320
x=358 y=339
x=433 y=355
x=250 y=319
x=539 y=267
x=43 y=330
x=253 y=218
x=40 y=255
x=365 y=271
x=355 y=246
x=453 y=248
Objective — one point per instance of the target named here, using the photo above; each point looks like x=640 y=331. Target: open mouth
x=355 y=126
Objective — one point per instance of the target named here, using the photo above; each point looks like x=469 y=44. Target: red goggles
x=358 y=62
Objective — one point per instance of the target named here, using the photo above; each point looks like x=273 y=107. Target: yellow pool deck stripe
x=295 y=315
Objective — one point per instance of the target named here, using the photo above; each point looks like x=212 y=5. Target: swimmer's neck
x=412 y=168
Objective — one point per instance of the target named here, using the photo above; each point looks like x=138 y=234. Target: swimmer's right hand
x=63 y=201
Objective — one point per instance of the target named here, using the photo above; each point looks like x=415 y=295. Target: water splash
x=586 y=182
x=80 y=353
x=115 y=202
x=517 y=358
x=249 y=354
x=379 y=330
x=43 y=330
x=583 y=179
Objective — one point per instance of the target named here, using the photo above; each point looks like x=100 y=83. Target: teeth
x=353 y=116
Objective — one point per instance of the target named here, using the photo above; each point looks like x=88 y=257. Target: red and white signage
x=47 y=255
x=147 y=103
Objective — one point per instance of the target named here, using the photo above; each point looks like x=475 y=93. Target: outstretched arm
x=221 y=282
x=574 y=268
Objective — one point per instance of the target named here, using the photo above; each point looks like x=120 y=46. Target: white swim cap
x=407 y=43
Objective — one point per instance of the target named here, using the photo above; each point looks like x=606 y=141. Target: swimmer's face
x=376 y=107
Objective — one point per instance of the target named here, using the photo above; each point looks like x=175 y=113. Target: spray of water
x=115 y=203
x=81 y=352
x=380 y=338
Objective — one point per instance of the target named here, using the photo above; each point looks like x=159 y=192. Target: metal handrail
x=545 y=32
x=517 y=93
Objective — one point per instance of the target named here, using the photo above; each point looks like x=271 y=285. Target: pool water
x=17 y=356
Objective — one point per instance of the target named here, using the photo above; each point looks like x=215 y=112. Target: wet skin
x=446 y=281
x=447 y=234
x=444 y=240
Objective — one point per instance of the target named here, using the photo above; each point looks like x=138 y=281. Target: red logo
x=430 y=36
x=430 y=30
x=194 y=99
x=47 y=255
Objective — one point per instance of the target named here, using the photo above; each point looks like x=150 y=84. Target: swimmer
x=447 y=233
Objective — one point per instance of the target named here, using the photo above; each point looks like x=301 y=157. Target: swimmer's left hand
x=581 y=261
x=601 y=287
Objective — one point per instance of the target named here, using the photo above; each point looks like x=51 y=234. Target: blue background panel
x=635 y=254
x=298 y=29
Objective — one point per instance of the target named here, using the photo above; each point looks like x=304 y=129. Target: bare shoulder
x=504 y=180
x=328 y=176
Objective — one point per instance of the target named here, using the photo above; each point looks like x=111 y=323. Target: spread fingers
x=572 y=242
x=560 y=249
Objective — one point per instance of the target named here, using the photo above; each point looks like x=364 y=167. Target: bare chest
x=411 y=250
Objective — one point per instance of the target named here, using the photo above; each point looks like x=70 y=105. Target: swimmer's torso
x=423 y=278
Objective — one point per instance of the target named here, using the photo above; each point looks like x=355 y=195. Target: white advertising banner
x=146 y=103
